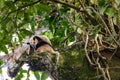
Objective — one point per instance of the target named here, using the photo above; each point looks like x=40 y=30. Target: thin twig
x=101 y=69
x=111 y=46
x=113 y=54
x=82 y=4
x=97 y=45
x=107 y=72
x=104 y=24
x=86 y=44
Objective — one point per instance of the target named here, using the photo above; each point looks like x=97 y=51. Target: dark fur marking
x=40 y=42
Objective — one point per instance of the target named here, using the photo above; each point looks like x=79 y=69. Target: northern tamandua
x=43 y=44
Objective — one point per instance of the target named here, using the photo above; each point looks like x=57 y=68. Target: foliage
x=84 y=32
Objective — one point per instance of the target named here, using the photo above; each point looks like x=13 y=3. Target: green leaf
x=25 y=0
x=8 y=3
x=32 y=24
x=102 y=2
x=110 y=38
x=0 y=71
x=20 y=14
x=1 y=3
x=37 y=75
x=7 y=40
x=44 y=8
x=23 y=71
x=118 y=2
x=3 y=48
x=64 y=9
x=25 y=32
x=49 y=34
x=39 y=12
x=1 y=62
x=2 y=35
x=20 y=37
x=5 y=22
x=79 y=31
x=96 y=29
x=118 y=18
x=94 y=2
x=10 y=26
x=26 y=17
x=44 y=76
x=65 y=23
x=103 y=9
x=110 y=12
x=20 y=76
x=32 y=10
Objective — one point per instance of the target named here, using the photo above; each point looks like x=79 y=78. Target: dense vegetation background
x=85 y=32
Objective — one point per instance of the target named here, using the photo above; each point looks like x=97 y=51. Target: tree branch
x=21 y=7
x=67 y=4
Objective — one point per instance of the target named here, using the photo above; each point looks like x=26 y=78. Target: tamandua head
x=42 y=38
x=36 y=40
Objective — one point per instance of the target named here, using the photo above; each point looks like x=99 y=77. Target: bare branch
x=86 y=52
x=67 y=4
